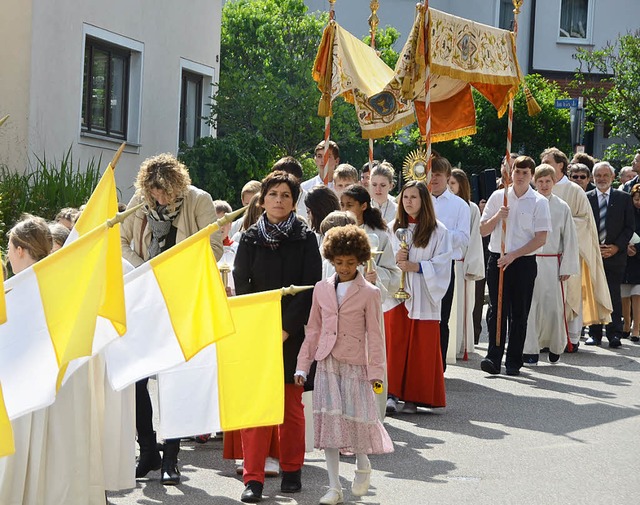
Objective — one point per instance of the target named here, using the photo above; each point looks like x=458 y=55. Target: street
x=567 y=433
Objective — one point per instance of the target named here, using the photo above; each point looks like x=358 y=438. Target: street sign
x=566 y=103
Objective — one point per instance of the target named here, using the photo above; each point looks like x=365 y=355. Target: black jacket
x=297 y=261
x=632 y=273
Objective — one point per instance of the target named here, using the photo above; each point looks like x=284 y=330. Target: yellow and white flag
x=211 y=392
x=103 y=205
x=176 y=306
x=7 y=446
x=52 y=309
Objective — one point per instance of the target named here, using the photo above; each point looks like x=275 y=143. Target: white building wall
x=15 y=71
x=609 y=18
x=167 y=31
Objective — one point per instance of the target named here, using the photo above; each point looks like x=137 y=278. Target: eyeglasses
x=579 y=177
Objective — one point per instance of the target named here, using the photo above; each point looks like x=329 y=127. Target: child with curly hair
x=343 y=335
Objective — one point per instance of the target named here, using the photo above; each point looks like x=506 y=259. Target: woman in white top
x=382 y=181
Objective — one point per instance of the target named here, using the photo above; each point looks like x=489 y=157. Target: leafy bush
x=44 y=189
x=221 y=166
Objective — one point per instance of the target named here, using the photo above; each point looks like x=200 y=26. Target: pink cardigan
x=350 y=333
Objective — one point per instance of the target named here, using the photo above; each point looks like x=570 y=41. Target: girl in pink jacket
x=343 y=335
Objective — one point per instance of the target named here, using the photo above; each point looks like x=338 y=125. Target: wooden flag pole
x=506 y=182
x=373 y=28
x=327 y=119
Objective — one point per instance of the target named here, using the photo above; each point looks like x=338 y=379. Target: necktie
x=602 y=232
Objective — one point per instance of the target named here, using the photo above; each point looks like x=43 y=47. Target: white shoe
x=360 y=486
x=409 y=408
x=332 y=497
x=392 y=406
x=239 y=466
x=271 y=467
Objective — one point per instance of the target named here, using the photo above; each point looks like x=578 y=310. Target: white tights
x=332 y=457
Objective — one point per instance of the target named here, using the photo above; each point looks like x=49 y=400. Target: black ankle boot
x=291 y=482
x=169 y=473
x=149 y=458
x=252 y=492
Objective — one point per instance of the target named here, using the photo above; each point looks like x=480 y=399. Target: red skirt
x=414 y=359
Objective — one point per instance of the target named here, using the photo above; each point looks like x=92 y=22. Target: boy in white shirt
x=527 y=222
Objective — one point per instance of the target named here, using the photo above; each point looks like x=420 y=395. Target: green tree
x=267 y=50
x=609 y=79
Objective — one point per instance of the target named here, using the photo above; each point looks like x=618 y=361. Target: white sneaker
x=392 y=406
x=360 y=486
x=271 y=467
x=239 y=466
x=332 y=497
x=409 y=408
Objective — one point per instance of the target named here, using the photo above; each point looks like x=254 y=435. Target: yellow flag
x=71 y=284
x=103 y=205
x=6 y=433
x=188 y=277
x=250 y=364
x=3 y=303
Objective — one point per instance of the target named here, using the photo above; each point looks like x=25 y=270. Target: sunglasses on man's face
x=582 y=176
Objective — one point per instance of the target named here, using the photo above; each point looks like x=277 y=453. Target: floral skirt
x=345 y=411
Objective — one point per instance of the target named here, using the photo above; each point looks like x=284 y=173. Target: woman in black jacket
x=277 y=251
x=630 y=287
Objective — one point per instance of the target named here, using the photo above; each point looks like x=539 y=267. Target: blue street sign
x=566 y=103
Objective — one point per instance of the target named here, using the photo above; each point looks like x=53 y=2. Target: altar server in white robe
x=587 y=298
x=557 y=261
x=468 y=270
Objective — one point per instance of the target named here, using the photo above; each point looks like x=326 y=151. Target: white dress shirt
x=528 y=214
x=454 y=213
x=313 y=182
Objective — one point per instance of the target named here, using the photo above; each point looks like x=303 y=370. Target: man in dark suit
x=635 y=165
x=613 y=212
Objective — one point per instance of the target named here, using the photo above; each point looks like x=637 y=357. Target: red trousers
x=257 y=441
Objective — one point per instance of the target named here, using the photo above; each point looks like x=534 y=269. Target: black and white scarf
x=270 y=234
x=160 y=221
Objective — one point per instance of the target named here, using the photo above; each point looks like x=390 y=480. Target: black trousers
x=615 y=276
x=144 y=420
x=517 y=292
x=445 y=313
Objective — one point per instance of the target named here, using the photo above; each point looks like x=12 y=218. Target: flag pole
x=294 y=290
x=116 y=157
x=427 y=88
x=327 y=119
x=506 y=182
x=373 y=28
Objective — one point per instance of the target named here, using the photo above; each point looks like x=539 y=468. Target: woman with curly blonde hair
x=173 y=210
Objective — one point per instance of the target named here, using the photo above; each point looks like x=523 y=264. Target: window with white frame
x=111 y=87
x=574 y=19
x=105 y=89
x=190 y=107
x=195 y=101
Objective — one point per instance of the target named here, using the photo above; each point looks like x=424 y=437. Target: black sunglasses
x=579 y=176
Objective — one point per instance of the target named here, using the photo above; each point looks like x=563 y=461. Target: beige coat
x=196 y=213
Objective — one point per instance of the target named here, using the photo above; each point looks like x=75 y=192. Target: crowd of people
x=399 y=293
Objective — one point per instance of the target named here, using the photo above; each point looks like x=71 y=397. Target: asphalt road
x=567 y=433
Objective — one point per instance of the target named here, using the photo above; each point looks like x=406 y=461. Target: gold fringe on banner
x=322 y=69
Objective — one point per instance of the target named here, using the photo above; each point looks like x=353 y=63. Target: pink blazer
x=351 y=333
